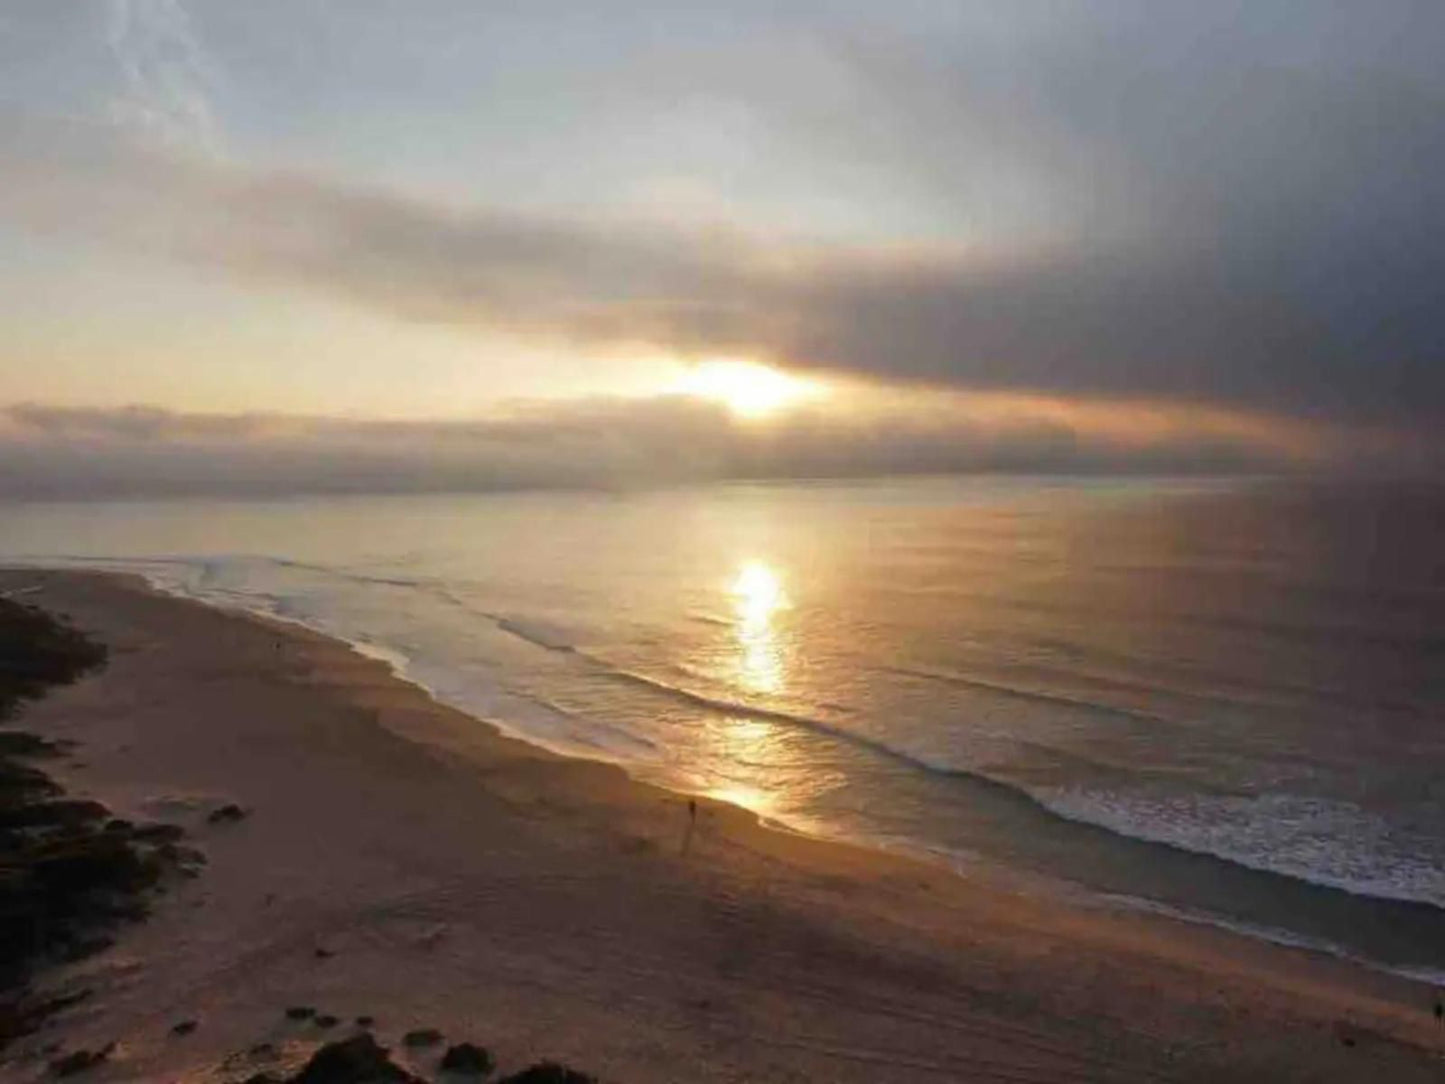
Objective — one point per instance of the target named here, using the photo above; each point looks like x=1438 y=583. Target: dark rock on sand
x=357 y=1060
x=467 y=1058
x=81 y=947
x=300 y=1012
x=61 y=887
x=549 y=1072
x=185 y=1027
x=323 y=953
x=20 y=782
x=422 y=1037
x=57 y=813
x=17 y=743
x=80 y=1060
x=226 y=814
x=326 y=1020
x=365 y=1021
x=51 y=1005
x=158 y=833
x=187 y=859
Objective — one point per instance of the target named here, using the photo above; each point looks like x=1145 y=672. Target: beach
x=403 y=860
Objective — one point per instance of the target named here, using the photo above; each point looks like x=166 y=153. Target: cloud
x=1338 y=325
x=1231 y=205
x=56 y=452
x=165 y=74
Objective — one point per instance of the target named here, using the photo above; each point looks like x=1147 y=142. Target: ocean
x=1220 y=699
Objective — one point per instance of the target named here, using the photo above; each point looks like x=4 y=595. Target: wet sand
x=451 y=877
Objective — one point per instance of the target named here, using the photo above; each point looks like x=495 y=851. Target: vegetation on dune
x=549 y=1072
x=360 y=1059
x=38 y=651
x=68 y=871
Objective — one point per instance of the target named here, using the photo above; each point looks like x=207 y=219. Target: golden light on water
x=748 y=389
x=757 y=593
x=757 y=759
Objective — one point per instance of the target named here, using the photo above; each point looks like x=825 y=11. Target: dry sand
x=541 y=906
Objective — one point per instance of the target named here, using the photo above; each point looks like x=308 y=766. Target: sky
x=417 y=244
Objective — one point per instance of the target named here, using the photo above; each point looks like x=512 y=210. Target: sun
x=747 y=388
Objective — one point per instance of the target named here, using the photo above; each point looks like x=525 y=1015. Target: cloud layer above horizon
x=1223 y=208
x=621 y=444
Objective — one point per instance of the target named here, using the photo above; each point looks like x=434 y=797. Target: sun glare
x=758 y=595
x=747 y=388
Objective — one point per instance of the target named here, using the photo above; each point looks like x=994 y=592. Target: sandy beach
x=402 y=860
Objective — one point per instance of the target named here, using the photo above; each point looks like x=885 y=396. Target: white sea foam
x=1326 y=842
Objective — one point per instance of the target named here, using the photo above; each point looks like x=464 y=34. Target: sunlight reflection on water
x=758 y=596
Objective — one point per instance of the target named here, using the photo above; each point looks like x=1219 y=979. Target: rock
x=357 y=1060
x=158 y=833
x=51 y=1005
x=185 y=1027
x=326 y=1020
x=467 y=1058
x=81 y=1060
x=323 y=953
x=227 y=814
x=16 y=743
x=422 y=1037
x=300 y=1012
x=52 y=814
x=549 y=1072
x=20 y=782
x=82 y=947
x=262 y=1078
x=365 y=1021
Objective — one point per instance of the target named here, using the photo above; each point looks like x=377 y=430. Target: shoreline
x=1407 y=910
x=769 y=952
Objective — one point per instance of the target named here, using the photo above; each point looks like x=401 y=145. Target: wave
x=724 y=705
x=533 y=633
x=1135 y=819
x=529 y=630
x=1014 y=692
x=595 y=734
x=703 y=618
x=592 y=741
x=1330 y=844
x=345 y=574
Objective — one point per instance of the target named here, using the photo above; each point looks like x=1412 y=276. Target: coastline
x=470 y=881
x=1295 y=908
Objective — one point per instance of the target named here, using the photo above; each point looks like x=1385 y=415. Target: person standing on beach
x=691 y=824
